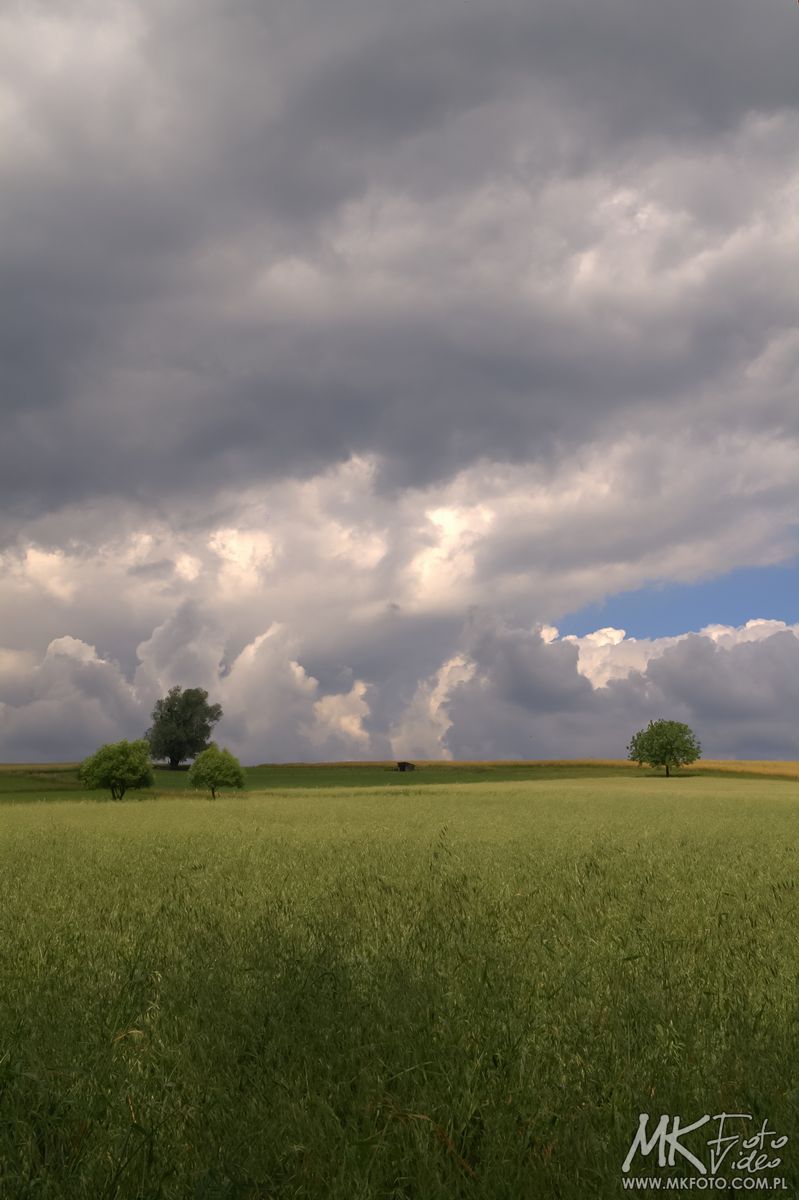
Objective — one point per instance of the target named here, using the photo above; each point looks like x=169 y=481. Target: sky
x=420 y=379
x=669 y=608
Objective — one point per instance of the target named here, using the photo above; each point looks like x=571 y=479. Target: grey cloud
x=523 y=698
x=73 y=701
x=162 y=569
x=526 y=699
x=135 y=365
x=525 y=670
x=745 y=696
x=689 y=71
x=391 y=655
x=667 y=492
x=186 y=648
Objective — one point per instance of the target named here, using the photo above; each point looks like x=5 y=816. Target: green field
x=464 y=982
x=59 y=781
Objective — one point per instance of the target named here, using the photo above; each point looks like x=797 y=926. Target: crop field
x=352 y=984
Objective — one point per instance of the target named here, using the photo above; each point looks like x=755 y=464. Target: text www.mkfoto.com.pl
x=704 y=1183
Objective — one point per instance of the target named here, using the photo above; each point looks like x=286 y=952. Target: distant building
x=405 y=766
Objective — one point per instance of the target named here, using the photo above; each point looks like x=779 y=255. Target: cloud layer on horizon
x=506 y=693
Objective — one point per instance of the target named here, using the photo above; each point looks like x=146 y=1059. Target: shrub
x=118 y=766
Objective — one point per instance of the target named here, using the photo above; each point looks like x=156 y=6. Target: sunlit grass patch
x=774 y=770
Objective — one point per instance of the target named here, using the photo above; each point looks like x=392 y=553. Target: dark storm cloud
x=745 y=696
x=391 y=655
x=527 y=700
x=143 y=187
x=659 y=71
x=162 y=569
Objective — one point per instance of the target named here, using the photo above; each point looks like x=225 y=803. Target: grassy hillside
x=54 y=781
x=406 y=991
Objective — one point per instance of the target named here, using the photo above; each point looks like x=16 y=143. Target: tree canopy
x=118 y=766
x=216 y=768
x=664 y=744
x=181 y=727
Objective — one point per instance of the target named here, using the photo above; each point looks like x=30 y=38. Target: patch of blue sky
x=664 y=610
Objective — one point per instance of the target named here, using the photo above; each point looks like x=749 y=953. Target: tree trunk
x=667 y=770
x=174 y=763
x=213 y=793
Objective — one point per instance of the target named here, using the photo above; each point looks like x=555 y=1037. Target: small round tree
x=664 y=744
x=216 y=768
x=118 y=766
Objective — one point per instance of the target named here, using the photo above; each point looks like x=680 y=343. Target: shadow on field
x=417 y=1029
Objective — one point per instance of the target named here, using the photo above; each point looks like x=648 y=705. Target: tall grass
x=443 y=992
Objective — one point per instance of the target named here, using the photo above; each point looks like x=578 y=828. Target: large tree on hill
x=664 y=744
x=181 y=725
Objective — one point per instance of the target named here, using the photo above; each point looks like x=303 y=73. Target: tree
x=118 y=766
x=182 y=725
x=664 y=744
x=216 y=768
